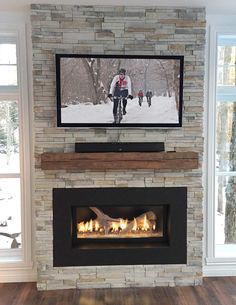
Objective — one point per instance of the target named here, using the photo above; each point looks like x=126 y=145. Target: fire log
x=107 y=221
x=104 y=220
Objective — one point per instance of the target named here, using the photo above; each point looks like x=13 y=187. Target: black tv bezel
x=121 y=125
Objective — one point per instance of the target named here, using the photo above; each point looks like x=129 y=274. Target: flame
x=116 y=226
x=96 y=226
x=119 y=226
x=90 y=226
x=135 y=226
x=123 y=223
x=81 y=227
x=145 y=224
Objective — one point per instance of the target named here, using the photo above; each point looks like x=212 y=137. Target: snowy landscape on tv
x=84 y=85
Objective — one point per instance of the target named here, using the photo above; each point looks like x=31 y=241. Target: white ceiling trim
x=212 y=6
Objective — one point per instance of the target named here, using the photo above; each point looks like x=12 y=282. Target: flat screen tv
x=119 y=90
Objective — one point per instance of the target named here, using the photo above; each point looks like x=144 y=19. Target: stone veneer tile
x=117 y=30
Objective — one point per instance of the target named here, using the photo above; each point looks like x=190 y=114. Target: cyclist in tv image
x=149 y=97
x=140 y=97
x=120 y=90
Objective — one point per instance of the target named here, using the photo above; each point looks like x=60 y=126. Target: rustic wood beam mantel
x=119 y=160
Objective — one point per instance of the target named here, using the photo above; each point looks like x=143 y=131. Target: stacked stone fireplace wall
x=117 y=30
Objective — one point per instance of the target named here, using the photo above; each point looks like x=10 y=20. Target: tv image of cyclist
x=140 y=97
x=120 y=87
x=149 y=97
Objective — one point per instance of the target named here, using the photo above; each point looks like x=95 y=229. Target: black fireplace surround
x=169 y=203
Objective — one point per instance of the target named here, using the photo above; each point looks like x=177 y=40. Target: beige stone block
x=177 y=48
x=105 y=35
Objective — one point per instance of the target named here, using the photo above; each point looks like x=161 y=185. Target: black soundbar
x=119 y=147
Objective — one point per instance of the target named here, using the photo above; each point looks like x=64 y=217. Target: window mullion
x=7 y=94
x=225 y=173
x=9 y=175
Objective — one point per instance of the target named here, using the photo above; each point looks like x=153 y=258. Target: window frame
x=21 y=258
x=214 y=265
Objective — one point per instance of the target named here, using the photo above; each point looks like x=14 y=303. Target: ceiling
x=212 y=6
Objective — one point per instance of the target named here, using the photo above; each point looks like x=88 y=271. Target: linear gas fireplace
x=118 y=226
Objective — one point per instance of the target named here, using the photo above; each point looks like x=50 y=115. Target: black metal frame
x=171 y=251
x=143 y=125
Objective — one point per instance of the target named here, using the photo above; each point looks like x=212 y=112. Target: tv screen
x=119 y=90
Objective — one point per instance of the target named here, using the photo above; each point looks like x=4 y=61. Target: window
x=221 y=203
x=225 y=148
x=15 y=198
x=10 y=203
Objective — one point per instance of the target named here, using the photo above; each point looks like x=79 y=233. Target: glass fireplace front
x=125 y=226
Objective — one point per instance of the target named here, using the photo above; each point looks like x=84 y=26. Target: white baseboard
x=11 y=275
x=219 y=270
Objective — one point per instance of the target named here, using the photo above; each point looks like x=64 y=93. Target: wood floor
x=215 y=291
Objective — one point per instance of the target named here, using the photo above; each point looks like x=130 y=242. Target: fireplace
x=119 y=226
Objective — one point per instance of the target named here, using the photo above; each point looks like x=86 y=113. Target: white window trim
x=213 y=266
x=19 y=268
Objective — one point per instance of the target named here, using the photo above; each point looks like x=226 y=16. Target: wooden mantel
x=119 y=160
